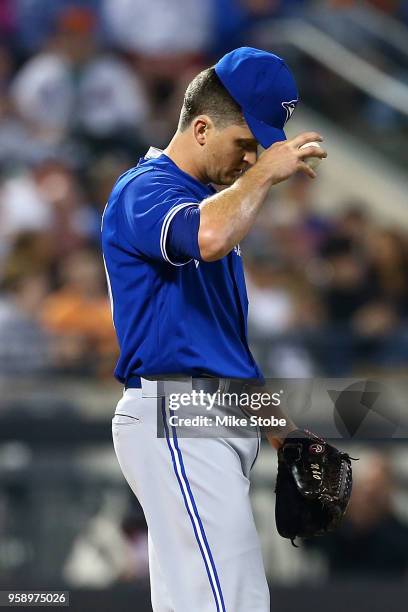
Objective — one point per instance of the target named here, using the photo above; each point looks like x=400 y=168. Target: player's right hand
x=285 y=158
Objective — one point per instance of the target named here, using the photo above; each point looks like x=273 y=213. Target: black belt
x=199 y=382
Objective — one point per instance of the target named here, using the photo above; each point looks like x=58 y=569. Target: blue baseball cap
x=263 y=86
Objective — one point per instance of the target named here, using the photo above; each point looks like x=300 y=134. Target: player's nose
x=250 y=158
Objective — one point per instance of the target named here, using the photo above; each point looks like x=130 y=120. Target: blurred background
x=85 y=88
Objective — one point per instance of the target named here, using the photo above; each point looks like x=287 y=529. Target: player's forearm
x=227 y=217
x=277 y=434
x=276 y=439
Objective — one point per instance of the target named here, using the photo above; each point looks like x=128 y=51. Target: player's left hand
x=313 y=486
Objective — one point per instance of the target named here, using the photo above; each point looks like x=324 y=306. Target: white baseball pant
x=204 y=550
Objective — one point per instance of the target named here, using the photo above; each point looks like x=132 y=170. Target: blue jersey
x=171 y=317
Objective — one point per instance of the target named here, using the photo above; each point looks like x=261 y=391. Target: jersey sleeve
x=181 y=245
x=159 y=219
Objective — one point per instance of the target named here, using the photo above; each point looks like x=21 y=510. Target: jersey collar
x=153 y=153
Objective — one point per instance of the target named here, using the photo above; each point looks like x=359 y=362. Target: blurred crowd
x=329 y=293
x=372 y=541
x=85 y=87
x=382 y=46
x=370 y=545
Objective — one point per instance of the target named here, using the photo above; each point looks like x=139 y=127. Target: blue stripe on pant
x=189 y=501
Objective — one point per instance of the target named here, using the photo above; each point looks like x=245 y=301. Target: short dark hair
x=206 y=95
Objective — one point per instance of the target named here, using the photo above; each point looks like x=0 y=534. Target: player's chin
x=230 y=178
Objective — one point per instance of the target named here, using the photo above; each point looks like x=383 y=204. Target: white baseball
x=312 y=162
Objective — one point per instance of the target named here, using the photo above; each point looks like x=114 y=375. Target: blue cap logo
x=263 y=86
x=289 y=108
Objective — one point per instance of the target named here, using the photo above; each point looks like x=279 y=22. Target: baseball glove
x=313 y=486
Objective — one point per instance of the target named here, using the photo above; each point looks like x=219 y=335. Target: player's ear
x=201 y=127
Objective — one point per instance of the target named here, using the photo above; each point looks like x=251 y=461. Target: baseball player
x=179 y=303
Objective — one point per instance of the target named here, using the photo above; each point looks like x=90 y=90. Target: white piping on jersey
x=153 y=152
x=106 y=270
x=165 y=229
x=103 y=214
x=109 y=289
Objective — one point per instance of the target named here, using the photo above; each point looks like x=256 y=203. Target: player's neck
x=179 y=151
